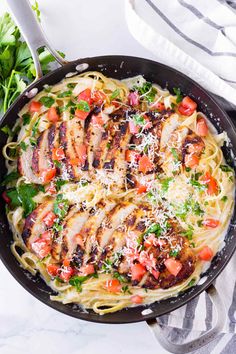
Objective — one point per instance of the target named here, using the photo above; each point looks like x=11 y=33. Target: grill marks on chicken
x=114 y=233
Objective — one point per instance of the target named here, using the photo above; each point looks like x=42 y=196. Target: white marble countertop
x=26 y=325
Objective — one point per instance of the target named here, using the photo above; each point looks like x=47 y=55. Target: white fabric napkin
x=197 y=37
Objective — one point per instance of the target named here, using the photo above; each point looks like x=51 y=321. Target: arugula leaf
x=178 y=94
x=47 y=101
x=226 y=168
x=83 y=106
x=12 y=176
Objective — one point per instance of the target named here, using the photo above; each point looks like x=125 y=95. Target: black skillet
x=119 y=67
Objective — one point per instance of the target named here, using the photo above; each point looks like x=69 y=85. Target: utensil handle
x=199 y=342
x=32 y=32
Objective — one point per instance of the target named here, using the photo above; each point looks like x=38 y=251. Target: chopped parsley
x=165 y=184
x=147 y=91
x=224 y=198
x=59 y=183
x=115 y=94
x=107 y=266
x=77 y=281
x=175 y=154
x=26 y=118
x=178 y=93
x=57 y=163
x=174 y=253
x=71 y=85
x=60 y=206
x=226 y=168
x=138 y=119
x=12 y=176
x=188 y=206
x=23 y=196
x=65 y=94
x=33 y=142
x=83 y=106
x=200 y=186
x=187 y=169
x=47 y=101
x=7 y=130
x=35 y=128
x=192 y=282
x=154 y=229
x=125 y=289
x=23 y=145
x=188 y=233
x=120 y=277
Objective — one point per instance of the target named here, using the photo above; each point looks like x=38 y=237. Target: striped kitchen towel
x=198 y=38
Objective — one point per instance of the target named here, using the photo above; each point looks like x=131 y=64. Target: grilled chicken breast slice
x=24 y=166
x=41 y=160
x=34 y=225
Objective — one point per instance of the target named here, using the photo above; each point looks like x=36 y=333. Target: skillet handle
x=199 y=342
x=32 y=32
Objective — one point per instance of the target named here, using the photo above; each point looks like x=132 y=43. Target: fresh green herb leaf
x=47 y=101
x=107 y=266
x=60 y=206
x=83 y=106
x=198 y=185
x=165 y=184
x=71 y=85
x=173 y=106
x=187 y=169
x=12 y=176
x=26 y=118
x=199 y=223
x=125 y=289
x=35 y=128
x=115 y=94
x=174 y=253
x=154 y=229
x=65 y=94
x=7 y=130
x=59 y=183
x=23 y=196
x=226 y=168
x=147 y=91
x=138 y=119
x=108 y=145
x=57 y=163
x=188 y=233
x=178 y=94
x=77 y=281
x=192 y=282
x=35 y=7
x=120 y=277
x=23 y=145
x=224 y=198
x=33 y=142
x=175 y=154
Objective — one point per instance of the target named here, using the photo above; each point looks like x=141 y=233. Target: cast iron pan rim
x=196 y=291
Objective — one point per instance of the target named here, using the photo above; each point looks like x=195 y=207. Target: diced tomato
x=6 y=198
x=97 y=120
x=87 y=269
x=191 y=160
x=66 y=273
x=141 y=188
x=52 y=115
x=210 y=182
x=173 y=265
x=133 y=128
x=187 y=106
x=137 y=271
x=48 y=175
x=51 y=188
x=58 y=154
x=85 y=96
x=81 y=151
x=81 y=114
x=34 y=106
x=133 y=99
x=49 y=219
x=159 y=106
x=145 y=165
x=206 y=254
x=52 y=269
x=136 y=299
x=202 y=128
x=155 y=273
x=112 y=285
x=46 y=235
x=98 y=97
x=149 y=241
x=212 y=223
x=66 y=262
x=41 y=246
x=131 y=155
